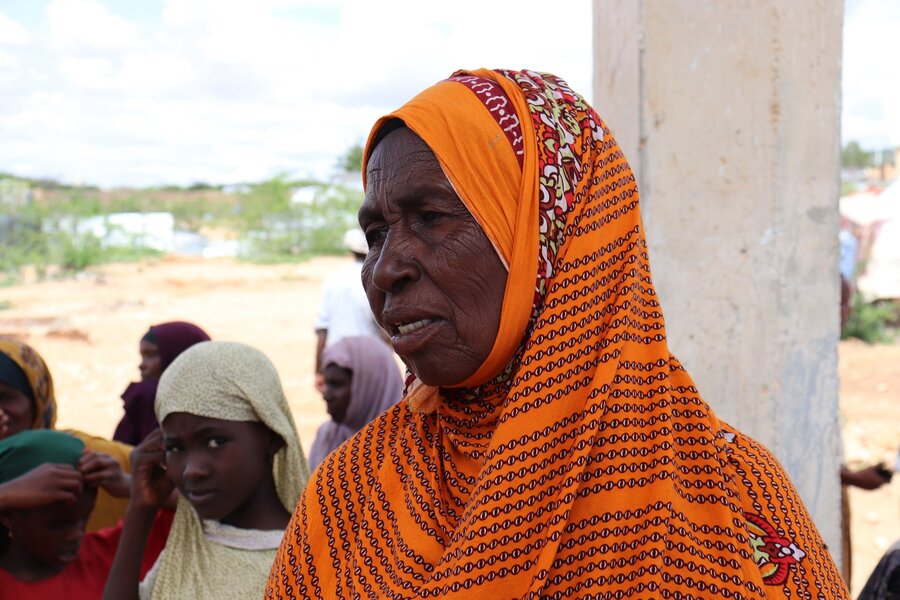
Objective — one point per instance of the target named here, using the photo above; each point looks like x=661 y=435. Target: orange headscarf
x=579 y=461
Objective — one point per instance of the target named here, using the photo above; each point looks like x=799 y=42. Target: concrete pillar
x=729 y=114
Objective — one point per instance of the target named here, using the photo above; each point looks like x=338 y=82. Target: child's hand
x=42 y=485
x=100 y=469
x=150 y=486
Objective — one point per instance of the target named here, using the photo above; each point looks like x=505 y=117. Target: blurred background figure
x=344 y=310
x=28 y=402
x=47 y=491
x=884 y=582
x=867 y=478
x=849 y=252
x=159 y=347
x=361 y=381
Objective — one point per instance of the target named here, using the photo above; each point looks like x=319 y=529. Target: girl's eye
x=173 y=448
x=215 y=442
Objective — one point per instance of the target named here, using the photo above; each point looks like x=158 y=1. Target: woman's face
x=433 y=279
x=16 y=411
x=217 y=465
x=151 y=364
x=337 y=395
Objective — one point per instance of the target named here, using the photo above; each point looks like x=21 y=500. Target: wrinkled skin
x=338 y=391
x=429 y=264
x=16 y=411
x=151 y=363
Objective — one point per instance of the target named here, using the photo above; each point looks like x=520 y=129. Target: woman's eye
x=172 y=449
x=215 y=442
x=375 y=235
x=429 y=216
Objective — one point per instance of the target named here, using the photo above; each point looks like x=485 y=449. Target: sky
x=153 y=92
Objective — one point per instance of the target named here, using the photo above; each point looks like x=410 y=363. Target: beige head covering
x=235 y=382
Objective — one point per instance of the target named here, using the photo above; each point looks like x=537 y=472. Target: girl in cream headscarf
x=228 y=443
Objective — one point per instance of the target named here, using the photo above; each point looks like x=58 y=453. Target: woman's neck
x=16 y=561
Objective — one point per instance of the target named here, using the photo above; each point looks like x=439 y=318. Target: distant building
x=886 y=162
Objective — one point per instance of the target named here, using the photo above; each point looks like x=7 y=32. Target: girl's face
x=219 y=466
x=51 y=535
x=151 y=364
x=337 y=393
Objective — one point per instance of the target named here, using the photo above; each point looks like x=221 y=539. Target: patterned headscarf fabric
x=375 y=387
x=579 y=460
x=234 y=382
x=39 y=379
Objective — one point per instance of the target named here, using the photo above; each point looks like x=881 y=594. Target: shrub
x=873 y=323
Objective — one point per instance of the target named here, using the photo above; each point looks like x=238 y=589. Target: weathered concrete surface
x=729 y=113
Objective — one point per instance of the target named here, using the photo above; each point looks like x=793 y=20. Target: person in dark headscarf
x=46 y=495
x=361 y=382
x=28 y=402
x=159 y=347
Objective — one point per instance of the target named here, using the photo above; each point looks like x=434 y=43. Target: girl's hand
x=102 y=470
x=150 y=486
x=42 y=485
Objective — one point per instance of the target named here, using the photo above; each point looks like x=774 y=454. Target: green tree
x=852 y=155
x=351 y=162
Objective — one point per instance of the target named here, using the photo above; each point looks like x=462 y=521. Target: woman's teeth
x=410 y=327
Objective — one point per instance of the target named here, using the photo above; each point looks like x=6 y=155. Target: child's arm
x=150 y=488
x=103 y=470
x=42 y=485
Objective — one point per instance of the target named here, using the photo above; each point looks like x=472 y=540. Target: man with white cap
x=344 y=309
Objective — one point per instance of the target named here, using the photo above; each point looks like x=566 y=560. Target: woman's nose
x=395 y=263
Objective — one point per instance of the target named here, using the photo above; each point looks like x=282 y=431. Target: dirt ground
x=88 y=329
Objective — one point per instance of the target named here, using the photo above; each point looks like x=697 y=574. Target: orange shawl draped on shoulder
x=579 y=460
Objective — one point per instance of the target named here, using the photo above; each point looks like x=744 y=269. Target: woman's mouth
x=405 y=328
x=413 y=336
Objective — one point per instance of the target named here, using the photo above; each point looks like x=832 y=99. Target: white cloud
x=88 y=73
x=12 y=32
x=240 y=90
x=76 y=24
x=871 y=87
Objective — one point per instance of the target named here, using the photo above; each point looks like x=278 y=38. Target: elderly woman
x=549 y=444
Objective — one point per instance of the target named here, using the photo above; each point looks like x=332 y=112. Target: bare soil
x=87 y=328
